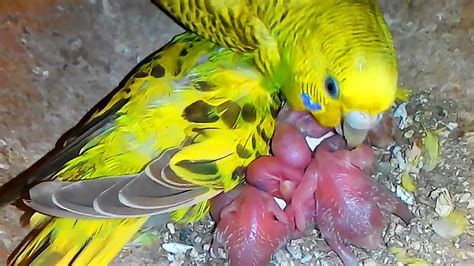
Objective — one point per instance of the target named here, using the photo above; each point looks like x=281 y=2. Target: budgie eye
x=331 y=87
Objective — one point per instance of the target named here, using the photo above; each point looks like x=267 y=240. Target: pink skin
x=333 y=143
x=382 y=135
x=251 y=227
x=289 y=145
x=350 y=208
x=219 y=202
x=267 y=174
x=304 y=121
x=362 y=156
x=279 y=174
x=333 y=191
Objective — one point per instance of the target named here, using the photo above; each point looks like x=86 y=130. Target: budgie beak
x=356 y=125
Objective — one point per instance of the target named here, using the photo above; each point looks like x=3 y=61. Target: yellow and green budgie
x=188 y=120
x=334 y=58
x=179 y=131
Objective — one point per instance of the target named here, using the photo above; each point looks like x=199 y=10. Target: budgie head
x=343 y=67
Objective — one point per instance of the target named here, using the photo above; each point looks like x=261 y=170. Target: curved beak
x=356 y=125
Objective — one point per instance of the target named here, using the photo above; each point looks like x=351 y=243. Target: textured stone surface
x=59 y=57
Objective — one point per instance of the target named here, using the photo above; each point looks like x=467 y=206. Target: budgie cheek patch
x=309 y=103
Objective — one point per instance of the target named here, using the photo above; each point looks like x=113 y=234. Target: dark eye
x=331 y=87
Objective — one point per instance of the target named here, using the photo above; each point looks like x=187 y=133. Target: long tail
x=65 y=241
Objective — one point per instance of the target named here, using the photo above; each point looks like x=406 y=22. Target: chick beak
x=355 y=127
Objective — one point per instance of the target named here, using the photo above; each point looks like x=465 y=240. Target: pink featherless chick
x=334 y=191
x=250 y=225
x=350 y=207
x=280 y=173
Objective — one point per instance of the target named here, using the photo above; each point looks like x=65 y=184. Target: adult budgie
x=334 y=58
x=181 y=129
x=189 y=120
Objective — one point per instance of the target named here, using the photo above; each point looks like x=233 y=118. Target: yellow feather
x=213 y=103
x=300 y=43
x=96 y=241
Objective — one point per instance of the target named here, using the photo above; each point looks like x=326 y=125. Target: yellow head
x=343 y=65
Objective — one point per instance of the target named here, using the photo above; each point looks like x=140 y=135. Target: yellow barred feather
x=192 y=94
x=302 y=43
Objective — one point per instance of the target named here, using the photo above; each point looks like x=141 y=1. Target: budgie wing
x=151 y=192
x=195 y=116
x=66 y=149
x=177 y=140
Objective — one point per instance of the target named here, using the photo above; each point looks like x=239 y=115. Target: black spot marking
x=141 y=75
x=201 y=167
x=188 y=17
x=265 y=137
x=200 y=112
x=204 y=86
x=183 y=52
x=263 y=133
x=213 y=22
x=224 y=22
x=224 y=106
x=254 y=142
x=274 y=110
x=283 y=16
x=208 y=6
x=243 y=152
x=231 y=112
x=253 y=38
x=158 y=71
x=178 y=68
x=259 y=128
x=249 y=113
x=230 y=117
x=238 y=172
x=203 y=130
x=203 y=22
x=199 y=5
